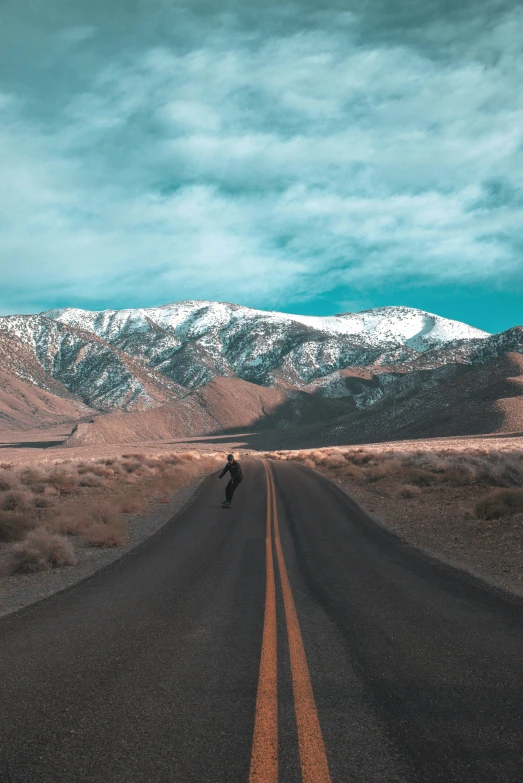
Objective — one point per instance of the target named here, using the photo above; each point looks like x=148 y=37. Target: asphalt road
x=290 y=638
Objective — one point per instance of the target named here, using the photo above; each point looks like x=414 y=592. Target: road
x=288 y=639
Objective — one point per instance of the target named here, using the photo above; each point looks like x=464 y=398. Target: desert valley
x=261 y=391
x=418 y=417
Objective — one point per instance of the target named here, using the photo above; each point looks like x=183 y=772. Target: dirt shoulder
x=459 y=502
x=20 y=590
x=441 y=523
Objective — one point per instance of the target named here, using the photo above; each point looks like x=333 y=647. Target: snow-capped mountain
x=52 y=355
x=139 y=359
x=193 y=319
x=192 y=342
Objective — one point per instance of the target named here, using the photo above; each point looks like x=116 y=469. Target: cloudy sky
x=308 y=157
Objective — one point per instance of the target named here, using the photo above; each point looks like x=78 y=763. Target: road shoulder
x=490 y=551
x=20 y=590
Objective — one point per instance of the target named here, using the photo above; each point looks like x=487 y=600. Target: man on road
x=235 y=470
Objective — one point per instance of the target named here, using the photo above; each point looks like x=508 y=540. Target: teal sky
x=307 y=157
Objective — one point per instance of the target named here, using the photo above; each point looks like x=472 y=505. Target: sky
x=305 y=157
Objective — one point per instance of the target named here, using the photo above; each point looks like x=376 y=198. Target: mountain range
x=197 y=367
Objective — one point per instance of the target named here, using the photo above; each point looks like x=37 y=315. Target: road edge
x=28 y=589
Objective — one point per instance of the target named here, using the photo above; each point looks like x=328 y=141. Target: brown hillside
x=231 y=403
x=479 y=399
x=222 y=405
x=24 y=406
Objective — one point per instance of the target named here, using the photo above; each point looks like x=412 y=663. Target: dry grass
x=64 y=479
x=102 y=535
x=87 y=499
x=14 y=526
x=421 y=468
x=131 y=502
x=500 y=503
x=463 y=504
x=8 y=480
x=91 y=479
x=40 y=550
x=16 y=500
x=69 y=519
x=408 y=491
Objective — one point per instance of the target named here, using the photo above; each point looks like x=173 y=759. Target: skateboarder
x=235 y=470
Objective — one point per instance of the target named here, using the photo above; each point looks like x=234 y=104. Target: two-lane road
x=290 y=638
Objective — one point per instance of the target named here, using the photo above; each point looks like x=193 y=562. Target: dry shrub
x=8 y=480
x=178 y=475
x=170 y=459
x=130 y=466
x=16 y=500
x=43 y=501
x=34 y=476
x=101 y=535
x=107 y=513
x=333 y=461
x=107 y=528
x=51 y=491
x=459 y=474
x=155 y=462
x=103 y=471
x=373 y=473
x=360 y=457
x=188 y=456
x=421 y=477
x=352 y=471
x=71 y=519
x=131 y=502
x=382 y=470
x=14 y=526
x=409 y=491
x=64 y=479
x=115 y=466
x=39 y=551
x=418 y=467
x=94 y=469
x=92 y=480
x=309 y=463
x=499 y=503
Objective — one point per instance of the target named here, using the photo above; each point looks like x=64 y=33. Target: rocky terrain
x=206 y=367
x=192 y=342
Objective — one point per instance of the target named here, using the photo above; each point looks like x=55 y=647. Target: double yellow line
x=264 y=757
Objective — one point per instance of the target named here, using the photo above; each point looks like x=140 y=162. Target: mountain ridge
x=134 y=360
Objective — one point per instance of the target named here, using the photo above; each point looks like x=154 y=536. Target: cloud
x=263 y=164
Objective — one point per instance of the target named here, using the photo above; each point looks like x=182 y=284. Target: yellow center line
x=314 y=765
x=264 y=756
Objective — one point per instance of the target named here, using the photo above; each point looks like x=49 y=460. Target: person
x=234 y=468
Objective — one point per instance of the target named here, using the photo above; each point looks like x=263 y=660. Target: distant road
x=288 y=639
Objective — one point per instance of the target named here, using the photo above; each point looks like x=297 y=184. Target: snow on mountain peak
x=144 y=357
x=408 y=326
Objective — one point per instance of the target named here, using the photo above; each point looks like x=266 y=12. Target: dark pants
x=230 y=488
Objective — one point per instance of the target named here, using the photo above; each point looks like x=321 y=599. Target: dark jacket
x=234 y=469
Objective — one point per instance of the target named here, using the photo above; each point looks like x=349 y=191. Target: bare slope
x=24 y=406
x=222 y=405
x=453 y=400
x=75 y=363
